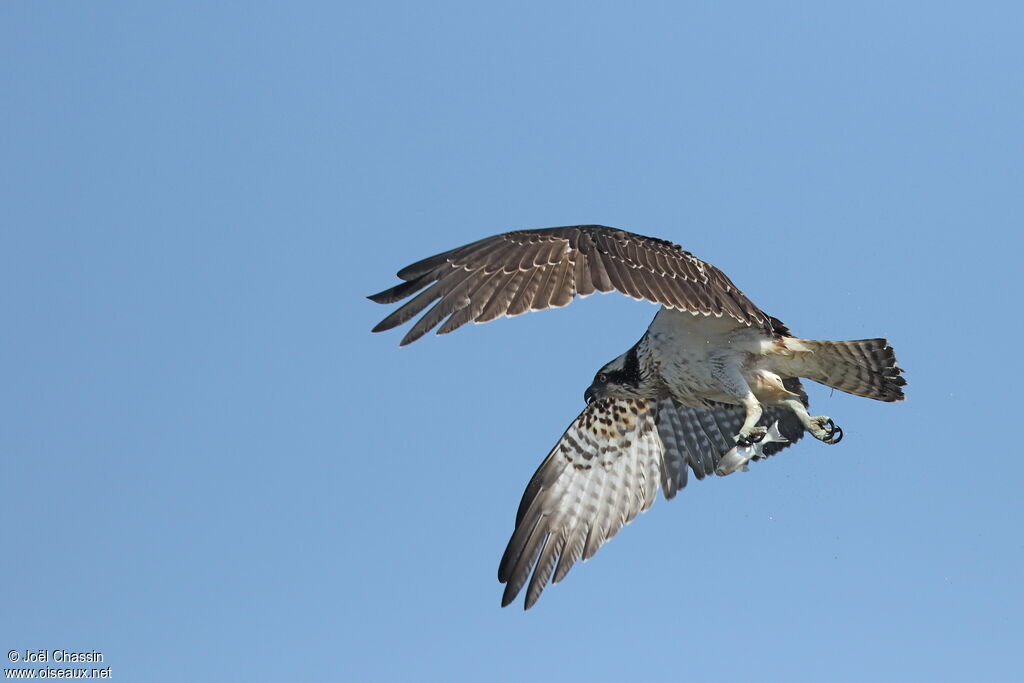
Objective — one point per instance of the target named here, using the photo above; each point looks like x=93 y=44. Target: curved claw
x=750 y=439
x=835 y=432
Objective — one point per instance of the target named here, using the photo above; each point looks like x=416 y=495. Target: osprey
x=712 y=384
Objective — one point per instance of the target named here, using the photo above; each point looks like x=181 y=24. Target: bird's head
x=620 y=378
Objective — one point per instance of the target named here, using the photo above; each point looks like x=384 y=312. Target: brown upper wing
x=529 y=270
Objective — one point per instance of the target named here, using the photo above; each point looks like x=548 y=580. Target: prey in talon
x=737 y=457
x=712 y=384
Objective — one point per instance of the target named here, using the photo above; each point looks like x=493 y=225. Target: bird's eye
x=602 y=378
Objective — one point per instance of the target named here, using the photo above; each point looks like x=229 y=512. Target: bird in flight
x=712 y=384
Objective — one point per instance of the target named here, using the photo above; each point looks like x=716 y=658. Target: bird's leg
x=750 y=432
x=821 y=427
x=732 y=381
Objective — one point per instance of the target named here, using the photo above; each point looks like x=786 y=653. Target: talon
x=836 y=436
x=826 y=430
x=755 y=436
x=833 y=433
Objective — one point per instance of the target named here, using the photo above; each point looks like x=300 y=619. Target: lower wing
x=607 y=468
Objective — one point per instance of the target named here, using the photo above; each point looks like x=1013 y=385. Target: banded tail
x=865 y=367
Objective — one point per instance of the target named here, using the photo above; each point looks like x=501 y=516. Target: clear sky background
x=211 y=470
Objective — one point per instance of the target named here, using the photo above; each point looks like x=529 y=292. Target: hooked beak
x=589 y=395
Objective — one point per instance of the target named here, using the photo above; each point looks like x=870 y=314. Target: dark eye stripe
x=630 y=372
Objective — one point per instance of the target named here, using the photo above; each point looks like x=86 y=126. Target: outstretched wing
x=606 y=469
x=598 y=477
x=530 y=270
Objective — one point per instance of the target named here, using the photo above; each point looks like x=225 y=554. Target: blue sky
x=211 y=470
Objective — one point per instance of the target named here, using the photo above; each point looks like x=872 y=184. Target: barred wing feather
x=530 y=270
x=606 y=469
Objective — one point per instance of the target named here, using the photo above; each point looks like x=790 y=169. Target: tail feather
x=865 y=367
